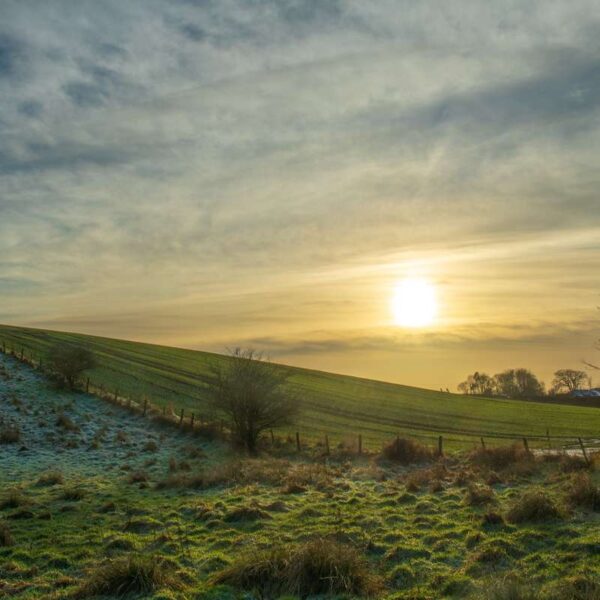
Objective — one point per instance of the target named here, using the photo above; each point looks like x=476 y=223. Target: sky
x=262 y=173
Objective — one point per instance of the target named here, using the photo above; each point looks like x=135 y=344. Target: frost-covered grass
x=82 y=518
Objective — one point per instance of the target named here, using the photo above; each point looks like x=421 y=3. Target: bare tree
x=569 y=380
x=518 y=383
x=478 y=384
x=68 y=361
x=251 y=394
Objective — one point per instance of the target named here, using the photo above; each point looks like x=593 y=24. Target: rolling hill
x=338 y=405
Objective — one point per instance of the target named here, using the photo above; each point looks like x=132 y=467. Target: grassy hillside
x=338 y=405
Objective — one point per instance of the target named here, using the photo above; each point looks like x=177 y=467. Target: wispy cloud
x=228 y=164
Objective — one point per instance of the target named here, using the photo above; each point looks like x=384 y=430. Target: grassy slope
x=338 y=405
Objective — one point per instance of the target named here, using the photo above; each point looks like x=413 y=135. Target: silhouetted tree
x=251 y=394
x=68 y=361
x=518 y=383
x=478 y=384
x=569 y=380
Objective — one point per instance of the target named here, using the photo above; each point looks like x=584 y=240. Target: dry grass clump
x=534 y=506
x=246 y=513
x=150 y=446
x=478 y=495
x=121 y=577
x=579 y=587
x=583 y=492
x=14 y=499
x=138 y=477
x=303 y=475
x=500 y=457
x=73 y=494
x=65 y=422
x=317 y=567
x=431 y=477
x=6 y=538
x=51 y=478
x=406 y=451
x=10 y=435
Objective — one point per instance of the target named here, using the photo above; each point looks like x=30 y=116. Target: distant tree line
x=522 y=383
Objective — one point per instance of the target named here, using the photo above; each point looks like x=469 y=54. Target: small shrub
x=493 y=518
x=173 y=466
x=317 y=567
x=406 y=451
x=51 y=478
x=10 y=435
x=130 y=575
x=584 y=493
x=569 y=463
x=246 y=513
x=6 y=538
x=532 y=507
x=121 y=437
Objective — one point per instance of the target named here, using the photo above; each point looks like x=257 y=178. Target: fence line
x=197 y=422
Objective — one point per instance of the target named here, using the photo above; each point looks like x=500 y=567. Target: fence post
x=360 y=443
x=298 y=441
x=585 y=456
x=145 y=405
x=181 y=418
x=164 y=410
x=440 y=446
x=272 y=438
x=482 y=443
x=526 y=444
x=192 y=422
x=326 y=444
x=116 y=395
x=87 y=383
x=21 y=353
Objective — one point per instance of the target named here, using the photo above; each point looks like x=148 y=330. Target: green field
x=337 y=405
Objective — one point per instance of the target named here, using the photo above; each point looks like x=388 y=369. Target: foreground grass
x=364 y=529
x=332 y=404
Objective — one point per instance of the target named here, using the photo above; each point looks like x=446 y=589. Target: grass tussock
x=478 y=495
x=584 y=493
x=579 y=587
x=318 y=567
x=14 y=498
x=65 y=422
x=10 y=435
x=500 y=457
x=73 y=494
x=406 y=451
x=122 y=577
x=6 y=537
x=534 y=506
x=50 y=478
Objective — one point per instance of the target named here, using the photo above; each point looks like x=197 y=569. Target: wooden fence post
x=482 y=443
x=87 y=385
x=145 y=406
x=585 y=456
x=192 y=422
x=359 y=443
x=164 y=410
x=526 y=444
x=440 y=446
x=21 y=353
x=272 y=438
x=116 y=395
x=326 y=444
x=181 y=418
x=298 y=441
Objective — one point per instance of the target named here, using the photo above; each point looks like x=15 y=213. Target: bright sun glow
x=414 y=303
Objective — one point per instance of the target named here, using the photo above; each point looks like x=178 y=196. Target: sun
x=414 y=303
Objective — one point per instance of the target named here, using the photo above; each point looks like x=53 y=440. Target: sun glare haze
x=414 y=303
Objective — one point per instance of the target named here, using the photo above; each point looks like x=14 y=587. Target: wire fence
x=436 y=436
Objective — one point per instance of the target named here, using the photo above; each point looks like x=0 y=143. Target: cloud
x=214 y=158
